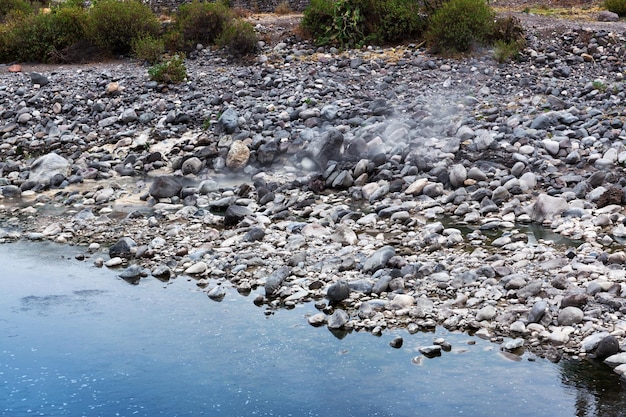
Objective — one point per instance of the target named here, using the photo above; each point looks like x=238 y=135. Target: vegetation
x=170 y=71
x=282 y=8
x=507 y=36
x=454 y=29
x=239 y=36
x=10 y=8
x=148 y=48
x=200 y=22
x=616 y=6
x=351 y=23
x=113 y=24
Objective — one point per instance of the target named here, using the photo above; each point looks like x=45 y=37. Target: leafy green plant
x=239 y=37
x=616 y=6
x=12 y=7
x=113 y=24
x=202 y=22
x=353 y=22
x=317 y=17
x=459 y=24
x=506 y=51
x=34 y=37
x=148 y=48
x=171 y=71
x=599 y=85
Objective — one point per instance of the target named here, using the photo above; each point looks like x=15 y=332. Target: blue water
x=76 y=340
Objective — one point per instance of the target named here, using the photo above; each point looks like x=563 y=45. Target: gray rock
x=133 y=272
x=458 y=175
x=217 y=293
x=537 y=311
x=608 y=346
x=326 y=147
x=39 y=79
x=165 y=187
x=338 y=319
x=486 y=313
x=338 y=291
x=378 y=259
x=191 y=165
x=228 y=121
x=569 y=316
x=397 y=342
x=546 y=208
x=44 y=168
x=275 y=280
x=123 y=248
x=607 y=16
x=235 y=213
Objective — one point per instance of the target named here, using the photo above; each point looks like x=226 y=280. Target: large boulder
x=326 y=147
x=165 y=187
x=546 y=207
x=46 y=167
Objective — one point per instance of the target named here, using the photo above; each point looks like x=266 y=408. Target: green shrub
x=317 y=17
x=35 y=37
x=202 y=22
x=507 y=51
x=459 y=24
x=113 y=24
x=8 y=7
x=148 y=48
x=616 y=6
x=170 y=71
x=394 y=20
x=354 y=22
x=239 y=36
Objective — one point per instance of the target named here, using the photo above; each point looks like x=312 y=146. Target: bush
x=354 y=22
x=616 y=6
x=202 y=22
x=34 y=37
x=8 y=7
x=113 y=24
x=507 y=51
x=148 y=48
x=239 y=36
x=394 y=20
x=170 y=71
x=459 y=24
x=317 y=17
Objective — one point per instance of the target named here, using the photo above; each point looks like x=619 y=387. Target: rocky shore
x=392 y=188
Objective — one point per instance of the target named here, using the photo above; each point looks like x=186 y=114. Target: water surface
x=76 y=340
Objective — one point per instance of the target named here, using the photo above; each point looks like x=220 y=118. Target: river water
x=76 y=340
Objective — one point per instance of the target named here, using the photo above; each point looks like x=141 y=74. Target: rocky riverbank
x=390 y=187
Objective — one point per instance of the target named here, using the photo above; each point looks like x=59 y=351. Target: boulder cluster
x=392 y=188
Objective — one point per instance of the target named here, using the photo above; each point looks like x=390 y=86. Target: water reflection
x=76 y=340
x=598 y=391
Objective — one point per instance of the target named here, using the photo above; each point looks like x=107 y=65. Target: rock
x=513 y=344
x=486 y=313
x=326 y=147
x=44 y=168
x=123 y=248
x=191 y=165
x=537 y=311
x=14 y=68
x=235 y=213
x=430 y=351
x=275 y=280
x=132 y=273
x=396 y=343
x=607 y=16
x=197 y=268
x=338 y=319
x=546 y=208
x=255 y=234
x=608 y=346
x=217 y=293
x=338 y=291
x=569 y=316
x=238 y=155
x=165 y=186
x=402 y=301
x=616 y=360
x=458 y=175
x=39 y=79
x=162 y=272
x=379 y=259
x=317 y=320
x=228 y=121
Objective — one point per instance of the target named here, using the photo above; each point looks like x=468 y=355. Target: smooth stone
x=338 y=319
x=338 y=291
x=569 y=316
x=197 y=268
